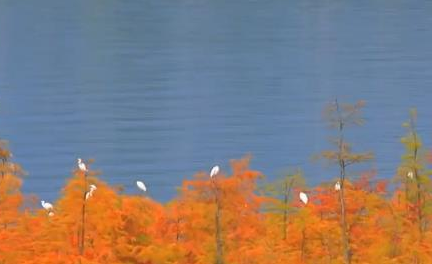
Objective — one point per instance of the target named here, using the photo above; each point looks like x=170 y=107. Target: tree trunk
x=178 y=230
x=218 y=234
x=3 y=162
x=344 y=227
x=219 y=243
x=83 y=214
x=285 y=215
x=303 y=244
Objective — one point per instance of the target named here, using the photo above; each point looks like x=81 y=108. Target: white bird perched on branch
x=141 y=186
x=90 y=193
x=410 y=175
x=47 y=206
x=214 y=171
x=81 y=165
x=303 y=197
x=337 y=186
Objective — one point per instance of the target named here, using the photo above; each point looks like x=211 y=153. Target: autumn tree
x=78 y=231
x=240 y=221
x=339 y=117
x=281 y=191
x=11 y=200
x=10 y=185
x=414 y=173
x=414 y=177
x=141 y=235
x=227 y=218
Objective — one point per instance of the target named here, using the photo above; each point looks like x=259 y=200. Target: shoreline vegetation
x=231 y=216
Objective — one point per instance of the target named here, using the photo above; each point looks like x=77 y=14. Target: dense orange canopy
x=234 y=217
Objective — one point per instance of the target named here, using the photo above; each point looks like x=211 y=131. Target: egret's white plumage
x=410 y=175
x=141 y=186
x=214 y=171
x=303 y=197
x=81 y=165
x=337 y=186
x=90 y=193
x=47 y=206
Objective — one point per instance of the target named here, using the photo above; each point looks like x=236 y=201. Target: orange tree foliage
x=193 y=216
x=251 y=223
x=122 y=228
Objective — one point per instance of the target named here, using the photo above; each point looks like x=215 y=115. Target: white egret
x=214 y=171
x=303 y=197
x=47 y=206
x=141 y=186
x=337 y=186
x=90 y=193
x=81 y=165
x=410 y=175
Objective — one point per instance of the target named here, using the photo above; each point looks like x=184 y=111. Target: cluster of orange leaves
x=121 y=228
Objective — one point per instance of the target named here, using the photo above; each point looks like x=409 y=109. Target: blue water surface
x=158 y=90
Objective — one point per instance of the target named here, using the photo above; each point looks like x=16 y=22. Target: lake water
x=158 y=90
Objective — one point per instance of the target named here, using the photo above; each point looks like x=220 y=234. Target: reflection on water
x=159 y=90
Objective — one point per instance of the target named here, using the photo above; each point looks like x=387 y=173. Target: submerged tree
x=340 y=116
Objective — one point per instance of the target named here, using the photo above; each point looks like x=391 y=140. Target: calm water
x=158 y=90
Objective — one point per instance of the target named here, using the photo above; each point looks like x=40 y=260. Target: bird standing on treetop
x=410 y=175
x=303 y=197
x=337 y=186
x=90 y=193
x=141 y=186
x=214 y=171
x=47 y=206
x=81 y=165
